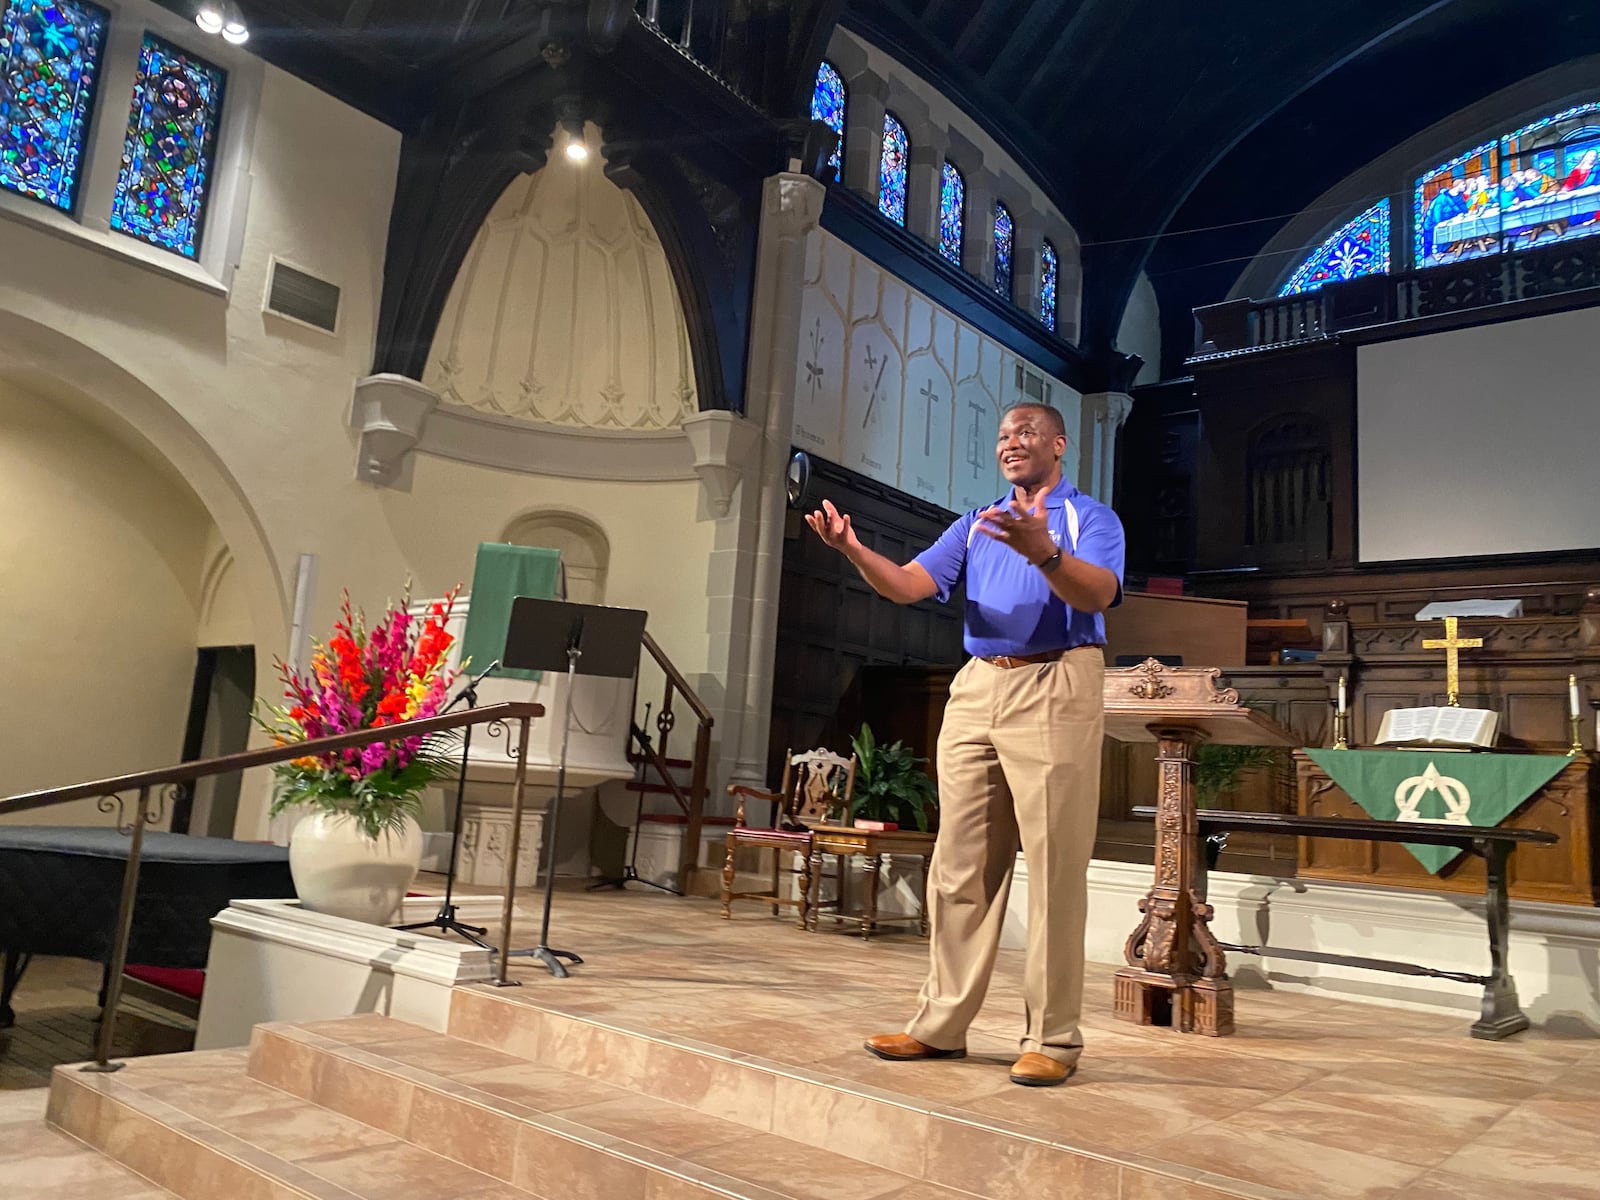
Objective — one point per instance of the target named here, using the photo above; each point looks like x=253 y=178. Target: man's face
x=1028 y=449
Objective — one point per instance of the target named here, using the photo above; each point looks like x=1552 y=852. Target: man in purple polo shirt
x=1019 y=750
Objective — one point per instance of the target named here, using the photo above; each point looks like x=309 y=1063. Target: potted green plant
x=891 y=785
x=1217 y=771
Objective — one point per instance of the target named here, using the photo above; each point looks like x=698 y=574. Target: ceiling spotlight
x=235 y=32
x=576 y=150
x=209 y=18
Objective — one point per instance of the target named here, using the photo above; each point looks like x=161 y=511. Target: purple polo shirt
x=1010 y=607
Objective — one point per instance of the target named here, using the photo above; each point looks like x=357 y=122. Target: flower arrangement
x=365 y=678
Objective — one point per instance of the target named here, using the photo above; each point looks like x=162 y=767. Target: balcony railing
x=1563 y=275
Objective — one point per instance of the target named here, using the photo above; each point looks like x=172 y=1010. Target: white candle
x=1341 y=695
x=1572 y=694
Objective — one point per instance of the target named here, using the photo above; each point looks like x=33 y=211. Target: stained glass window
x=952 y=212
x=892 y=170
x=827 y=106
x=1048 y=271
x=1536 y=185
x=165 y=182
x=49 y=61
x=1002 y=250
x=1359 y=247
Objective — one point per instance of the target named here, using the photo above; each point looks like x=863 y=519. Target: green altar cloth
x=1478 y=788
x=503 y=573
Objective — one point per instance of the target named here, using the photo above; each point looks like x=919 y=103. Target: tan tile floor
x=1314 y=1097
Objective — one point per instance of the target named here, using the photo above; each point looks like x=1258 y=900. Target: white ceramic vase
x=340 y=871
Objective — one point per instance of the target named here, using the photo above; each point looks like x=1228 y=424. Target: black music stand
x=579 y=639
x=446 y=917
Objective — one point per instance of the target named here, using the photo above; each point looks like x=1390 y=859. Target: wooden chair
x=814 y=785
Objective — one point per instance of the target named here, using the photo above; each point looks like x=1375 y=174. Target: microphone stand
x=446 y=918
x=630 y=873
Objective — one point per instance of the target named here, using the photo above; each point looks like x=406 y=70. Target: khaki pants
x=1019 y=764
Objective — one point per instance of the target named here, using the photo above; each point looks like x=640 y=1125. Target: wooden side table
x=848 y=842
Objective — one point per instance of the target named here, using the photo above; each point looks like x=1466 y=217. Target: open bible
x=1444 y=726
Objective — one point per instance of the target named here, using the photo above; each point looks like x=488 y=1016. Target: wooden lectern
x=1176 y=972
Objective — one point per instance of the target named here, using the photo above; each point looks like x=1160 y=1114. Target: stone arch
x=585 y=548
x=31 y=352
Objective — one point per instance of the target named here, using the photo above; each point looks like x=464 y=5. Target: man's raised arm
x=903 y=584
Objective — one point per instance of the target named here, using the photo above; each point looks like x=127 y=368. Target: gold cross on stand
x=1450 y=644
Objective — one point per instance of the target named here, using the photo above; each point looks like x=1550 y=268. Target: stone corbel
x=389 y=413
x=724 y=445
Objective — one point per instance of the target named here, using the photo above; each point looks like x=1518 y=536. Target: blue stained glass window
x=1002 y=250
x=952 y=212
x=1359 y=247
x=1049 y=269
x=165 y=182
x=827 y=106
x=1456 y=208
x=892 y=170
x=49 y=62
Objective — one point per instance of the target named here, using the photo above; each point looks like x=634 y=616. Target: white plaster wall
x=248 y=408
x=1140 y=331
x=100 y=582
x=879 y=365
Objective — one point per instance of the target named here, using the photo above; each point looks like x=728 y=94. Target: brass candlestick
x=1577 y=735
x=1341 y=720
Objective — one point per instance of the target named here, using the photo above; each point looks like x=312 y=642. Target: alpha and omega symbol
x=1411 y=792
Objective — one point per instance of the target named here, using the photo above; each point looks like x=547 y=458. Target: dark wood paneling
x=832 y=628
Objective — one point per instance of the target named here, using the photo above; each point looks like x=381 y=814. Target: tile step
x=550 y=1132
x=198 y=1126
x=923 y=1139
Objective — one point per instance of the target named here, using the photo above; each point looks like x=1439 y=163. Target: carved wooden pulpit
x=1176 y=972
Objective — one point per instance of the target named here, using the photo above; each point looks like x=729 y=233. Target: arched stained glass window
x=1049 y=269
x=1359 y=247
x=1003 y=237
x=827 y=106
x=892 y=170
x=49 y=62
x=165 y=184
x=1533 y=186
x=952 y=212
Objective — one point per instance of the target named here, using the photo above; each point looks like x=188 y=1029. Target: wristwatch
x=1049 y=564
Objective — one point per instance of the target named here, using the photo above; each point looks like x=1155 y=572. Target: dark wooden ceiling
x=1129 y=110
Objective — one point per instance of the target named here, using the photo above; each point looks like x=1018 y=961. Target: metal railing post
x=518 y=790
x=119 y=947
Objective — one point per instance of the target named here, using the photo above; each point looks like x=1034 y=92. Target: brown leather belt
x=1007 y=661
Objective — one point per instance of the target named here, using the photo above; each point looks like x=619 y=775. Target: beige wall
x=100 y=587
x=253 y=412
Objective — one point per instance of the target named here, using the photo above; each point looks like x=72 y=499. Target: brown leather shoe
x=902 y=1047
x=1039 y=1070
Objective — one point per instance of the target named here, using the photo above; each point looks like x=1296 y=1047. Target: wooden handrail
x=695 y=809
x=243 y=761
x=678 y=681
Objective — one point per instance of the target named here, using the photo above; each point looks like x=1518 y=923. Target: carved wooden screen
x=1290 y=518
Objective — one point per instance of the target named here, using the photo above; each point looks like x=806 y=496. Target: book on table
x=1467 y=728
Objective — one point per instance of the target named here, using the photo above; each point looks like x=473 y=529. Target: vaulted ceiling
x=1147 y=117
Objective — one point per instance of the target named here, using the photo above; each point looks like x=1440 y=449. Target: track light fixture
x=223 y=17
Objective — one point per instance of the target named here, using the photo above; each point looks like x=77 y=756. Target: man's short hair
x=1052 y=415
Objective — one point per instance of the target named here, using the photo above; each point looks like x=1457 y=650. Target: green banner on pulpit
x=1438 y=786
x=504 y=572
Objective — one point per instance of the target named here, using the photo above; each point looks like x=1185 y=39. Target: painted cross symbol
x=975 y=438
x=814 y=369
x=932 y=397
x=877 y=381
